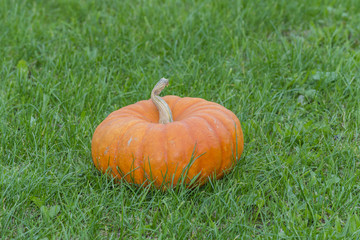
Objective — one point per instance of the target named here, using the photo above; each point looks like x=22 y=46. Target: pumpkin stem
x=165 y=115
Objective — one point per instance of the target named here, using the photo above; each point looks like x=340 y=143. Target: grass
x=288 y=69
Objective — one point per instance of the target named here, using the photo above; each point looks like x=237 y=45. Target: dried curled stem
x=165 y=115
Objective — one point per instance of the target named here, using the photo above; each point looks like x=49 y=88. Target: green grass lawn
x=288 y=69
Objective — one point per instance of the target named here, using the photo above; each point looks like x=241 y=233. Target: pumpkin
x=168 y=141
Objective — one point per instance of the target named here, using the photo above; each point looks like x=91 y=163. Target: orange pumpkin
x=168 y=141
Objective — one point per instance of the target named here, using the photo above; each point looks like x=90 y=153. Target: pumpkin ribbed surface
x=136 y=147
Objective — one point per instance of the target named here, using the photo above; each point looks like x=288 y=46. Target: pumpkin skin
x=132 y=143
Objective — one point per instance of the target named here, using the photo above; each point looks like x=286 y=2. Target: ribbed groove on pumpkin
x=228 y=133
x=212 y=153
x=135 y=136
x=226 y=121
x=156 y=160
x=120 y=155
x=149 y=110
x=144 y=159
x=210 y=107
x=220 y=116
x=215 y=130
x=180 y=110
x=188 y=156
x=172 y=105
